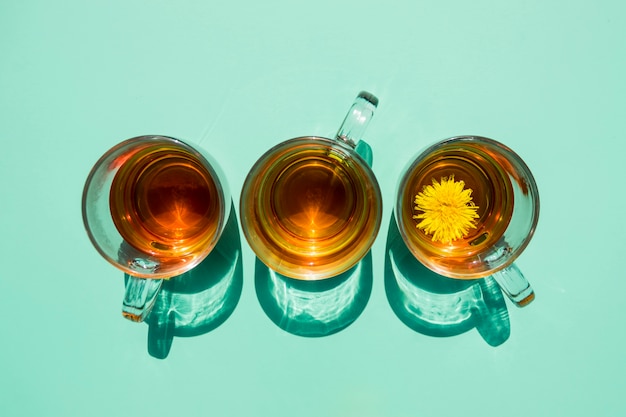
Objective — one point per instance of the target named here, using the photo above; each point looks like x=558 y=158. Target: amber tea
x=165 y=203
x=455 y=204
x=309 y=209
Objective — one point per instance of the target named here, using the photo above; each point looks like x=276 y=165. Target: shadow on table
x=434 y=305
x=201 y=299
x=314 y=308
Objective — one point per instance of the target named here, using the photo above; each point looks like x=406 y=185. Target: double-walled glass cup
x=311 y=207
x=466 y=208
x=154 y=207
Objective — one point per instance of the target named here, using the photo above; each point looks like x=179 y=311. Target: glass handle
x=139 y=297
x=357 y=119
x=514 y=285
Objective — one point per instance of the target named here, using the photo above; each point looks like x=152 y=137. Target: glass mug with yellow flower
x=466 y=208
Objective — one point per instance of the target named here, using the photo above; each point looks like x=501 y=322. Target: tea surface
x=309 y=209
x=165 y=203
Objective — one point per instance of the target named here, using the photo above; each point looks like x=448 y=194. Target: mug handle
x=139 y=297
x=355 y=123
x=514 y=285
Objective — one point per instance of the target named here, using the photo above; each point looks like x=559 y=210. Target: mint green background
x=545 y=77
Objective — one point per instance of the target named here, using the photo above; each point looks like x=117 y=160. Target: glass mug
x=311 y=207
x=466 y=208
x=154 y=207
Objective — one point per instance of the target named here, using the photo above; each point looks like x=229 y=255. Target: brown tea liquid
x=314 y=198
x=309 y=211
x=165 y=203
x=479 y=168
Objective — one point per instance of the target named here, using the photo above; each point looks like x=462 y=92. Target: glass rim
x=512 y=157
x=250 y=178
x=109 y=156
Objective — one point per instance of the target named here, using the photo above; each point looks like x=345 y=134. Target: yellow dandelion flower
x=448 y=211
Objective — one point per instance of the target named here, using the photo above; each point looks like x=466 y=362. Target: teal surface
x=236 y=77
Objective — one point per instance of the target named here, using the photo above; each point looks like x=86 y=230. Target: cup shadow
x=314 y=308
x=200 y=300
x=438 y=306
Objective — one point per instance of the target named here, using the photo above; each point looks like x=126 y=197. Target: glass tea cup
x=311 y=206
x=466 y=208
x=154 y=207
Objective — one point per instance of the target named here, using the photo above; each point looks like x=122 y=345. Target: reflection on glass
x=201 y=299
x=434 y=305
x=314 y=308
